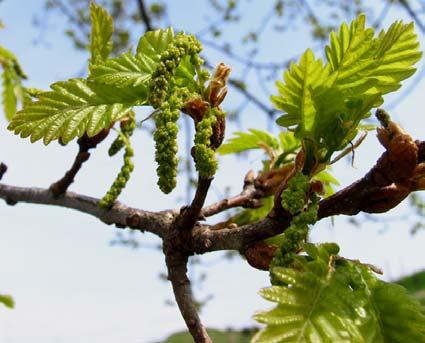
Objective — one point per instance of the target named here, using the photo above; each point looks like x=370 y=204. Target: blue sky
x=71 y=285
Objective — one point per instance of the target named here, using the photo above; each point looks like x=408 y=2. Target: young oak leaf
x=128 y=70
x=125 y=70
x=360 y=70
x=362 y=64
x=255 y=139
x=297 y=95
x=397 y=52
x=72 y=108
x=313 y=305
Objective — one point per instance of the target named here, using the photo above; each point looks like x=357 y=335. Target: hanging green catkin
x=205 y=161
x=165 y=135
x=294 y=199
x=122 y=178
x=127 y=128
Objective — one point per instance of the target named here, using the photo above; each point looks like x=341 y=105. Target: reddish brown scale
x=269 y=182
x=259 y=255
x=399 y=162
x=196 y=108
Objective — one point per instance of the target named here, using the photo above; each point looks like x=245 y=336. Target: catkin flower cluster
x=182 y=45
x=205 y=161
x=169 y=100
x=123 y=176
x=165 y=137
x=294 y=199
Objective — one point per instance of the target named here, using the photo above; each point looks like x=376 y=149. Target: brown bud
x=217 y=89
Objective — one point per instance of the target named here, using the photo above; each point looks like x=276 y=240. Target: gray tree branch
x=120 y=215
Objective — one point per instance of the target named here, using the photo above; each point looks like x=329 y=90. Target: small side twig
x=248 y=198
x=85 y=144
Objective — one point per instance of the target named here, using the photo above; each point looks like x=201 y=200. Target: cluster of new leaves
x=326 y=102
x=164 y=67
x=322 y=297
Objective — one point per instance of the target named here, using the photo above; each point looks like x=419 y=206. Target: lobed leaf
x=361 y=68
x=71 y=109
x=12 y=82
x=128 y=70
x=185 y=75
x=297 y=94
x=364 y=64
